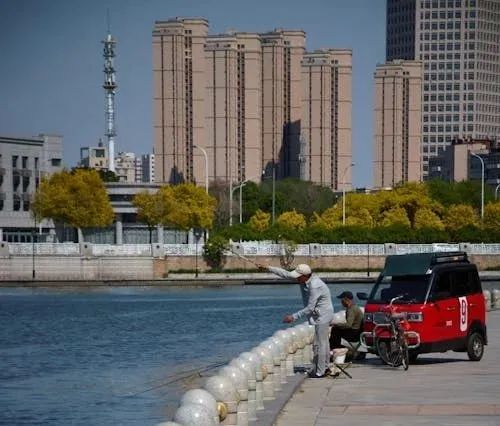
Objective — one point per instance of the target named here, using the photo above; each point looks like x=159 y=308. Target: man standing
x=351 y=329
x=318 y=309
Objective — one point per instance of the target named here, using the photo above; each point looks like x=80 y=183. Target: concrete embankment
x=214 y=279
x=444 y=389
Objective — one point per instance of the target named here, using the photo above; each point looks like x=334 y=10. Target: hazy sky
x=51 y=68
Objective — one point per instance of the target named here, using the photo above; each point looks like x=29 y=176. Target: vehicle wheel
x=413 y=357
x=389 y=352
x=475 y=347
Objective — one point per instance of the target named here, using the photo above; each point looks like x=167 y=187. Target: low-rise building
x=23 y=162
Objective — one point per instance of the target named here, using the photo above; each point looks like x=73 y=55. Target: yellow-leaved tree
x=329 y=219
x=459 y=216
x=491 y=218
x=259 y=222
x=426 y=218
x=77 y=198
x=186 y=206
x=395 y=216
x=149 y=210
x=292 y=220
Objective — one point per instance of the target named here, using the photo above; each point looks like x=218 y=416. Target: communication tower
x=110 y=87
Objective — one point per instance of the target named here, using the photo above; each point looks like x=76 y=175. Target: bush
x=213 y=251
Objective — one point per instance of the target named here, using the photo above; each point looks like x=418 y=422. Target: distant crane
x=110 y=87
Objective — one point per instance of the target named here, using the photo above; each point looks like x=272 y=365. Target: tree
x=395 y=216
x=260 y=221
x=76 y=198
x=426 y=218
x=492 y=216
x=186 y=206
x=292 y=220
x=148 y=210
x=460 y=216
x=329 y=219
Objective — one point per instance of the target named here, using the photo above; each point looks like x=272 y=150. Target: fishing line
x=197 y=372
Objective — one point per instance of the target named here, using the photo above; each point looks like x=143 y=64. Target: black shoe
x=315 y=376
x=328 y=372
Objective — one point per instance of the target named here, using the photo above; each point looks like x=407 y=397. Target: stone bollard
x=268 y=366
x=227 y=397
x=250 y=369
x=298 y=356
x=292 y=348
x=276 y=354
x=194 y=415
x=240 y=381
x=259 y=377
x=306 y=351
x=283 y=346
x=487 y=299
x=495 y=298
x=310 y=352
x=202 y=397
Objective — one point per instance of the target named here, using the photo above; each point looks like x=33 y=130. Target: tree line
x=304 y=212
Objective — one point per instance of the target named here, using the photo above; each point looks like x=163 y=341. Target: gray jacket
x=318 y=308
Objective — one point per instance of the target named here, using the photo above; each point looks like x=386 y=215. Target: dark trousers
x=337 y=333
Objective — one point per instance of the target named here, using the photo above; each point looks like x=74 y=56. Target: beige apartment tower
x=325 y=156
x=238 y=99
x=397 y=123
x=178 y=98
x=233 y=119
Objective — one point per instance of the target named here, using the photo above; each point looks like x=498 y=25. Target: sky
x=51 y=68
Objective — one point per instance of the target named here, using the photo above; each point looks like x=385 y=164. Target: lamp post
x=206 y=165
x=482 y=183
x=343 y=191
x=240 y=187
x=496 y=191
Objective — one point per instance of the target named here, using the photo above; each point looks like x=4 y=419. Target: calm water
x=124 y=356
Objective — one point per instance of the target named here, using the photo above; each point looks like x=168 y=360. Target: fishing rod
x=245 y=258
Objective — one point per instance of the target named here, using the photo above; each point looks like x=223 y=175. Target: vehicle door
x=464 y=289
x=443 y=311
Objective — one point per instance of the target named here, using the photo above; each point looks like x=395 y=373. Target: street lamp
x=206 y=165
x=482 y=183
x=240 y=187
x=343 y=191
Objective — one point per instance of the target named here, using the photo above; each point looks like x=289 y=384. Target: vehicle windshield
x=413 y=288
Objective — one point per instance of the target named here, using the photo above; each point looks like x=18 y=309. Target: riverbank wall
x=146 y=263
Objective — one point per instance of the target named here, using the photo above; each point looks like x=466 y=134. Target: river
x=125 y=355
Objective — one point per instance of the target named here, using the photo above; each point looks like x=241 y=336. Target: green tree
x=214 y=250
x=76 y=198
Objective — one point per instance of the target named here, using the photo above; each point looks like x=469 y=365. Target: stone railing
x=257 y=248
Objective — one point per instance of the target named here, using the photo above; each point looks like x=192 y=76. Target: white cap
x=300 y=270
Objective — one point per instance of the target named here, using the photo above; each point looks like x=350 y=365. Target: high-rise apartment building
x=397 y=123
x=458 y=42
x=282 y=53
x=178 y=98
x=242 y=108
x=326 y=156
x=233 y=94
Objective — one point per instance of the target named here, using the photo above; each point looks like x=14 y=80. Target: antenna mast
x=110 y=87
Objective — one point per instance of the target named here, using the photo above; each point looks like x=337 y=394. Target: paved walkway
x=440 y=389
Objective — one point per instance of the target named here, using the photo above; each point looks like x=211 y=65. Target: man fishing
x=318 y=309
